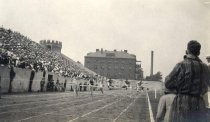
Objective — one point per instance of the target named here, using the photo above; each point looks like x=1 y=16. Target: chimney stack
x=102 y=50
x=152 y=61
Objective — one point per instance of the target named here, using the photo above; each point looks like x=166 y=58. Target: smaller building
x=139 y=72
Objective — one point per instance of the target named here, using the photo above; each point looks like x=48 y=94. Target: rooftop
x=111 y=54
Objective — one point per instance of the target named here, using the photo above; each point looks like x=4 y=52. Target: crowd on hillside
x=20 y=51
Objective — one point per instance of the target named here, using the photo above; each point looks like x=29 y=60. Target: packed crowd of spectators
x=22 y=52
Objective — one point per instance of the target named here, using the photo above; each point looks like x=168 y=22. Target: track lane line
x=150 y=109
x=95 y=110
x=45 y=100
x=41 y=100
x=34 y=95
x=123 y=111
x=18 y=104
x=59 y=110
x=53 y=104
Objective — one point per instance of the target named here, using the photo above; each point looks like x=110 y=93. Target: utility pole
x=152 y=61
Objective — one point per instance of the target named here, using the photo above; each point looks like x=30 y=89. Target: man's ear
x=186 y=52
x=198 y=53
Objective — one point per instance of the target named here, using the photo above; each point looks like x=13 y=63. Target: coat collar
x=193 y=57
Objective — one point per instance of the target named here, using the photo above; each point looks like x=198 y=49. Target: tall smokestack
x=152 y=61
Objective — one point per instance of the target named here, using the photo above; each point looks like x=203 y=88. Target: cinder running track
x=112 y=106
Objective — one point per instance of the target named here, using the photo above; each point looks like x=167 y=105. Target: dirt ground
x=113 y=105
x=118 y=105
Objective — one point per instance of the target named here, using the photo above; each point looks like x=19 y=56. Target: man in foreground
x=190 y=80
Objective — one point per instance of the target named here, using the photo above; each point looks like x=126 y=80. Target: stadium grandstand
x=20 y=51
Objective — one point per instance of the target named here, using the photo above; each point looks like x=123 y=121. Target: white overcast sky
x=139 y=26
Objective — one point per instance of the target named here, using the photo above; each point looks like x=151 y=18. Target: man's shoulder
x=180 y=63
x=184 y=62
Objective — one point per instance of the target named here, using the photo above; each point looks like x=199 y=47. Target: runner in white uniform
x=75 y=86
x=100 y=85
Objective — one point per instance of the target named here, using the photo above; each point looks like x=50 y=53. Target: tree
x=155 y=77
x=158 y=76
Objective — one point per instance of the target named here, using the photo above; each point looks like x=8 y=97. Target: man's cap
x=194 y=47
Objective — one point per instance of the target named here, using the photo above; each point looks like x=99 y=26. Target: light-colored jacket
x=165 y=107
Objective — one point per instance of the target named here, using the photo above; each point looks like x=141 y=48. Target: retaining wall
x=22 y=78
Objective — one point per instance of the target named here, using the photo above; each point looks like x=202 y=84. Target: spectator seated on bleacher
x=22 y=52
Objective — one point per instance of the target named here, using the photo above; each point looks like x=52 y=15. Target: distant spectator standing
x=31 y=80
x=44 y=71
x=165 y=106
x=12 y=76
x=206 y=98
x=57 y=87
x=42 y=83
x=65 y=82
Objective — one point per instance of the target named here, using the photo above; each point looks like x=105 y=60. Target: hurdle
x=89 y=86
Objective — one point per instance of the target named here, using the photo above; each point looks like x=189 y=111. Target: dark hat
x=194 y=47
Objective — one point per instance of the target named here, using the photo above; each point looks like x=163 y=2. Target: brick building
x=112 y=64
